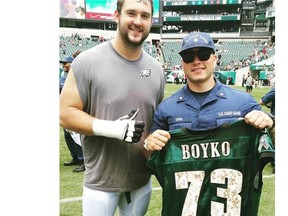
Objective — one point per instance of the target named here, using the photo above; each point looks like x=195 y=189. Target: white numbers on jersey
x=217 y=176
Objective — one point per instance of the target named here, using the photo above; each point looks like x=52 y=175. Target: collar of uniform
x=221 y=93
x=220 y=89
x=182 y=94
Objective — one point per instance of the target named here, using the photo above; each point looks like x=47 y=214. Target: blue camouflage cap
x=197 y=39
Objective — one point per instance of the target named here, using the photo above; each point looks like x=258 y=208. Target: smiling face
x=200 y=73
x=134 y=22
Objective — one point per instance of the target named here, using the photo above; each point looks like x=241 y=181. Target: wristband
x=112 y=129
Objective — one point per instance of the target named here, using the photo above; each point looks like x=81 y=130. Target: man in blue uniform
x=204 y=103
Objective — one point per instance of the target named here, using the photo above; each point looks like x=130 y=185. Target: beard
x=130 y=42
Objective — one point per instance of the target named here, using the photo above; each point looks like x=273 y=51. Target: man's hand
x=258 y=119
x=134 y=129
x=124 y=128
x=157 y=140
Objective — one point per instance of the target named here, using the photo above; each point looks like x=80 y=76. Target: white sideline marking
x=75 y=199
x=268 y=176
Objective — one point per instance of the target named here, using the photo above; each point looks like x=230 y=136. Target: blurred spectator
x=72 y=139
x=243 y=80
x=268 y=100
x=249 y=83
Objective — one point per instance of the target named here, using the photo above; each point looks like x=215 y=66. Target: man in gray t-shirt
x=105 y=83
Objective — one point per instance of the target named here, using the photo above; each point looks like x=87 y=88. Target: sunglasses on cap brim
x=202 y=54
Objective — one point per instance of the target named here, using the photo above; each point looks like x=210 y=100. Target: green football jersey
x=215 y=172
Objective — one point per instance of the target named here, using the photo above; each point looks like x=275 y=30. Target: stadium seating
x=231 y=52
x=71 y=45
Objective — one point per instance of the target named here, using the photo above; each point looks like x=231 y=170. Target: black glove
x=134 y=129
x=124 y=128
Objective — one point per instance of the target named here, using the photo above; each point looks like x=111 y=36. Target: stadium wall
x=96 y=32
x=107 y=34
x=216 y=36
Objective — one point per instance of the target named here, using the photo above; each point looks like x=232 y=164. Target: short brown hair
x=121 y=2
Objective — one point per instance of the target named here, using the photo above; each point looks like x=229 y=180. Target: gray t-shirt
x=110 y=87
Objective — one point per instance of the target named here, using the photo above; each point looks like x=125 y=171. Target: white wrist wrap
x=112 y=129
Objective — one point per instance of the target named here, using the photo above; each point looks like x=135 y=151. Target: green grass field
x=71 y=183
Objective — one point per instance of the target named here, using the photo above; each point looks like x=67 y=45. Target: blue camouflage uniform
x=223 y=105
x=62 y=80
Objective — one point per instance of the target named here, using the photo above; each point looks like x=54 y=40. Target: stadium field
x=70 y=203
